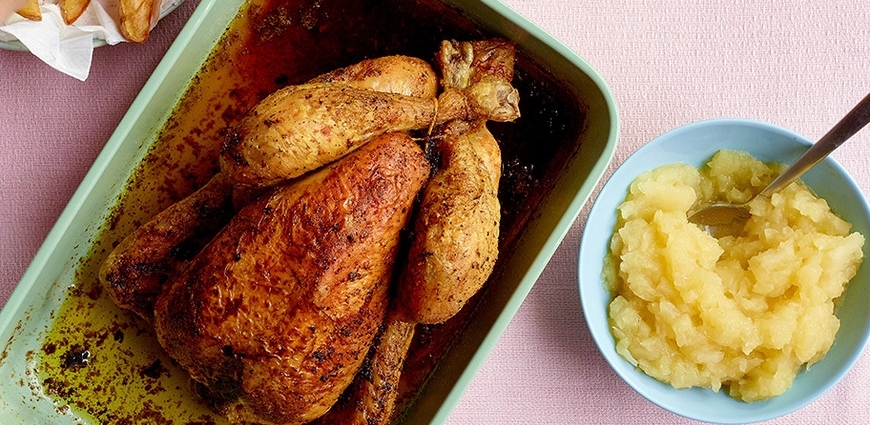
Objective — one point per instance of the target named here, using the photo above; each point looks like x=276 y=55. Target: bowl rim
x=591 y=295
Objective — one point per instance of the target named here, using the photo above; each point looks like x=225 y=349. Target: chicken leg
x=403 y=75
x=301 y=128
x=456 y=240
x=456 y=232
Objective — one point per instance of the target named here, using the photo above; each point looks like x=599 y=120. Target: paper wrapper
x=70 y=48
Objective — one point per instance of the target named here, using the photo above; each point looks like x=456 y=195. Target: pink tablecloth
x=795 y=63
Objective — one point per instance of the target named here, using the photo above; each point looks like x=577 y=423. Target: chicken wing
x=135 y=271
x=276 y=314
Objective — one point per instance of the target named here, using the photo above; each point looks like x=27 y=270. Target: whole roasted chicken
x=296 y=238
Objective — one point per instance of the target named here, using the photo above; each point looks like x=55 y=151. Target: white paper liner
x=69 y=48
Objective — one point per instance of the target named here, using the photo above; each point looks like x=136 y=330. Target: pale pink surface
x=797 y=64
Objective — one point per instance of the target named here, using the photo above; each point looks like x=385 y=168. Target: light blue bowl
x=694 y=144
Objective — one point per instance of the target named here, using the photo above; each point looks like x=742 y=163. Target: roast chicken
x=286 y=306
x=135 y=271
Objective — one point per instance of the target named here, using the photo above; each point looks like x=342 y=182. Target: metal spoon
x=722 y=219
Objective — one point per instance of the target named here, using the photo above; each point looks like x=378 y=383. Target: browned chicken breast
x=301 y=128
x=276 y=314
x=137 y=268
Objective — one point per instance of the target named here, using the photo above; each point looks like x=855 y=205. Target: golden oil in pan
x=103 y=362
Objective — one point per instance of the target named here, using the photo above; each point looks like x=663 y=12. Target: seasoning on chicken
x=300 y=128
x=276 y=314
x=456 y=231
x=135 y=271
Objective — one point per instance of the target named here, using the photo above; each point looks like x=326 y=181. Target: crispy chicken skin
x=455 y=241
x=135 y=271
x=464 y=63
x=404 y=75
x=462 y=196
x=301 y=128
x=137 y=268
x=137 y=18
x=371 y=398
x=277 y=313
x=456 y=232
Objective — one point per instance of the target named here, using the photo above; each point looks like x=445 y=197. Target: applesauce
x=745 y=313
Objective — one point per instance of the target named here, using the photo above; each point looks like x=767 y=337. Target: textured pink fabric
x=794 y=63
x=799 y=64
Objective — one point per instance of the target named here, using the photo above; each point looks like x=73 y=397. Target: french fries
x=31 y=11
x=136 y=19
x=135 y=15
x=70 y=10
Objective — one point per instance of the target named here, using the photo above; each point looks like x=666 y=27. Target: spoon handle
x=855 y=120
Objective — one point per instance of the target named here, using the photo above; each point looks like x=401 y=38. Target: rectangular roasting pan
x=29 y=313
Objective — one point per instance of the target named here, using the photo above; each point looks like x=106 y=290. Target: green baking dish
x=555 y=193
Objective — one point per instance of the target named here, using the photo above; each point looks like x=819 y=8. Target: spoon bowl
x=723 y=219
